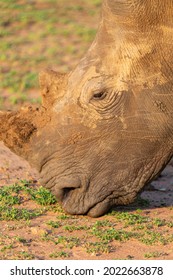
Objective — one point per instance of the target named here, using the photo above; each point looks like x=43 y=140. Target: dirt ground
x=34 y=237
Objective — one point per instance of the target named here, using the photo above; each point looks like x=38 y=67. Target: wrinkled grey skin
x=110 y=127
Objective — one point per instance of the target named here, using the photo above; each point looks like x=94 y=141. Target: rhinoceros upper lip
x=97 y=209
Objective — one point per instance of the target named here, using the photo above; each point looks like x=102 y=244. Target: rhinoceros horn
x=18 y=127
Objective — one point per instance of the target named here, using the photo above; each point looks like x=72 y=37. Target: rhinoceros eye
x=99 y=95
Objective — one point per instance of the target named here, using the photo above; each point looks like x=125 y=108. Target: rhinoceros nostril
x=67 y=191
x=65 y=186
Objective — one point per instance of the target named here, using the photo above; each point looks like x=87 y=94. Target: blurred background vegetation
x=39 y=34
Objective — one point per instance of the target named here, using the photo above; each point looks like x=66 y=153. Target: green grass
x=64 y=217
x=24 y=255
x=42 y=196
x=112 y=234
x=12 y=213
x=68 y=242
x=21 y=240
x=6 y=247
x=131 y=219
x=154 y=237
x=7 y=199
x=36 y=35
x=11 y=196
x=116 y=228
x=60 y=254
x=38 y=194
x=65 y=232
x=98 y=248
x=72 y=228
x=155 y=254
x=54 y=224
x=159 y=222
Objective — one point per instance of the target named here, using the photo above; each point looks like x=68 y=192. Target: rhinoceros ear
x=52 y=86
x=17 y=128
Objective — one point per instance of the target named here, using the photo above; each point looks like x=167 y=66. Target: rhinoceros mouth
x=99 y=209
x=80 y=196
x=75 y=203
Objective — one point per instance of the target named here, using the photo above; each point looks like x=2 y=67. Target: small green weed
x=64 y=217
x=21 y=240
x=104 y=223
x=97 y=248
x=155 y=254
x=72 y=228
x=42 y=196
x=159 y=222
x=111 y=234
x=10 y=195
x=24 y=255
x=61 y=254
x=6 y=198
x=68 y=242
x=131 y=219
x=6 y=247
x=11 y=213
x=170 y=224
x=54 y=224
x=152 y=237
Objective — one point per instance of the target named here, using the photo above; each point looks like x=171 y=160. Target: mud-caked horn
x=52 y=85
x=17 y=128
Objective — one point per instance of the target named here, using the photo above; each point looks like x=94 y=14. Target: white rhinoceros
x=105 y=129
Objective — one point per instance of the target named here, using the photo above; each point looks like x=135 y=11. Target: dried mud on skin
x=35 y=235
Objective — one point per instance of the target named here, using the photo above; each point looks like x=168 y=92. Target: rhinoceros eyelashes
x=99 y=95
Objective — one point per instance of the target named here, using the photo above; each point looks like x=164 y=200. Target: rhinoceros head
x=105 y=129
